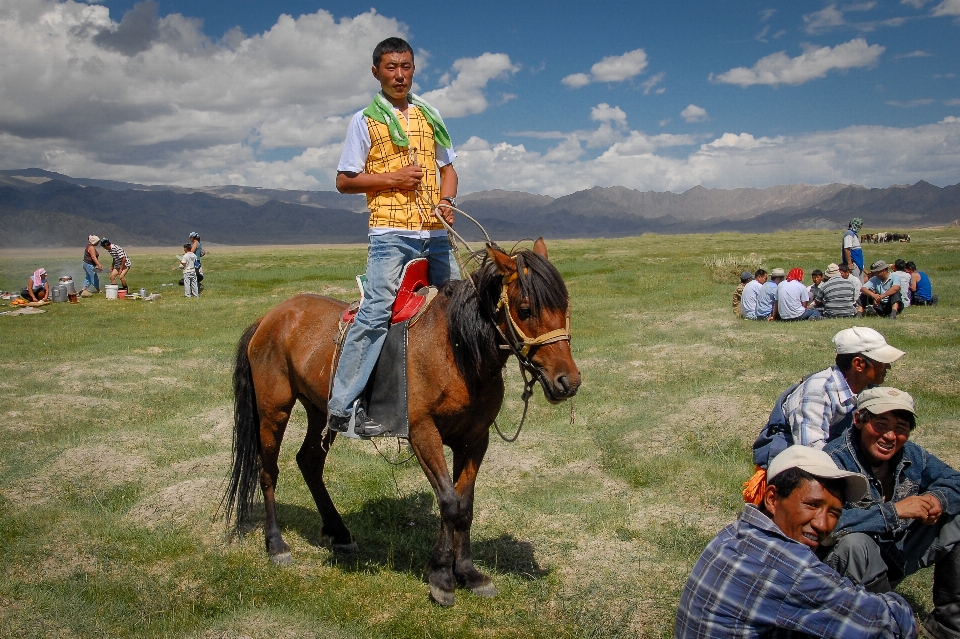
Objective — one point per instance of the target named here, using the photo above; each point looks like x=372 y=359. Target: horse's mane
x=470 y=313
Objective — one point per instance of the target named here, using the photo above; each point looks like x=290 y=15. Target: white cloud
x=827 y=18
x=813 y=63
x=872 y=156
x=916 y=4
x=154 y=100
x=910 y=103
x=947 y=8
x=913 y=54
x=603 y=112
x=466 y=93
x=614 y=68
x=693 y=113
x=651 y=84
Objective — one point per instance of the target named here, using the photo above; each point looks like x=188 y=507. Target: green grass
x=116 y=441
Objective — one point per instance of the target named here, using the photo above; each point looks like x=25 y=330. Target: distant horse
x=457 y=351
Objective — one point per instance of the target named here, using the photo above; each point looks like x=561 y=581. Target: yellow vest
x=394 y=208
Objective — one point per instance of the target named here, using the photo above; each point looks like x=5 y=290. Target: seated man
x=921 y=291
x=759 y=577
x=837 y=295
x=792 y=299
x=745 y=277
x=751 y=295
x=908 y=520
x=817 y=276
x=820 y=408
x=903 y=279
x=880 y=295
x=767 y=299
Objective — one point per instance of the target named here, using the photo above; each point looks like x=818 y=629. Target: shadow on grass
x=398 y=534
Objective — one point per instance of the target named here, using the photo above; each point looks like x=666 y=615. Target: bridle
x=523 y=346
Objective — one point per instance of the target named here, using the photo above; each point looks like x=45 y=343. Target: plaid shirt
x=821 y=401
x=754 y=581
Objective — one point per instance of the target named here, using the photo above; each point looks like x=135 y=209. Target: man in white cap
x=760 y=576
x=880 y=295
x=908 y=519
x=820 y=408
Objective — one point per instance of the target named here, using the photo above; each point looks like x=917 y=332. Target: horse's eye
x=524 y=312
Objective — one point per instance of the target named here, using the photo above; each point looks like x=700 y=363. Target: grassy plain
x=116 y=426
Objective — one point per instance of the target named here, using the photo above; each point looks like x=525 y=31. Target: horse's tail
x=245 y=476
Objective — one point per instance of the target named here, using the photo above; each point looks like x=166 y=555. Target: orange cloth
x=754 y=487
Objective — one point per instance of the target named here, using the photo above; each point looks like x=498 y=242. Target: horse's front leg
x=428 y=447
x=466 y=464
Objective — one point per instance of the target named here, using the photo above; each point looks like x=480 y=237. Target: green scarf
x=382 y=111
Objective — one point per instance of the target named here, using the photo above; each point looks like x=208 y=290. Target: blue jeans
x=386 y=257
x=91 y=278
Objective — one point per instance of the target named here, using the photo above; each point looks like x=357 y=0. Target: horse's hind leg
x=311 y=459
x=272 y=426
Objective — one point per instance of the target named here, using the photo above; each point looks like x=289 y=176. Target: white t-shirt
x=791 y=297
x=850 y=240
x=353 y=159
x=904 y=286
x=189 y=261
x=748 y=299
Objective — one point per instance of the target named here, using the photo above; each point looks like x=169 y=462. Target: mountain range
x=42 y=208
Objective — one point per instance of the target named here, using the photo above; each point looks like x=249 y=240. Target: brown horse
x=457 y=351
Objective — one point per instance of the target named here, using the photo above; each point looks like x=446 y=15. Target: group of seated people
x=842 y=508
x=834 y=293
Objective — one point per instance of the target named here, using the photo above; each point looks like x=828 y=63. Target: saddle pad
x=385 y=397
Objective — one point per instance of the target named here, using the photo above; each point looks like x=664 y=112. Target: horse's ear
x=540 y=248
x=505 y=264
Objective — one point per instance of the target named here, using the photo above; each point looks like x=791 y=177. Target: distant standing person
x=852 y=253
x=91 y=266
x=38 y=288
x=189 y=265
x=745 y=279
x=921 y=291
x=197 y=249
x=121 y=263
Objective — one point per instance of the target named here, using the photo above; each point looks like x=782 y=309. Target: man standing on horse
x=399 y=154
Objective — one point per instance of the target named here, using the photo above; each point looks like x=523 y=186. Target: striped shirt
x=754 y=581
x=821 y=401
x=838 y=296
x=119 y=257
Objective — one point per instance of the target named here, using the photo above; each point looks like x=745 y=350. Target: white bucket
x=111 y=291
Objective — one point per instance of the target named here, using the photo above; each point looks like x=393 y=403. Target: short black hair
x=759 y=272
x=788 y=481
x=843 y=266
x=188 y=246
x=816 y=271
x=391 y=45
x=912 y=265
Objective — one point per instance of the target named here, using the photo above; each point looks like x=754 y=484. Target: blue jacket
x=917 y=472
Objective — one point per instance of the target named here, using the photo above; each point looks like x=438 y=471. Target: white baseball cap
x=866 y=342
x=821 y=465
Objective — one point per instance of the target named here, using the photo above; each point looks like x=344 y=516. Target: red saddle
x=413 y=278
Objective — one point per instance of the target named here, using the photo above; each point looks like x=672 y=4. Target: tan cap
x=777 y=272
x=819 y=464
x=883 y=399
x=832 y=271
x=866 y=342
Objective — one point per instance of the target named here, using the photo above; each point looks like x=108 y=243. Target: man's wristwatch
x=451 y=200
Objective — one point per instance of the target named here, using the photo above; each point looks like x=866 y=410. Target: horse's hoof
x=442 y=597
x=485 y=590
x=348 y=549
x=281 y=559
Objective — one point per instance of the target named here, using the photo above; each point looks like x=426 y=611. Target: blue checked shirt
x=754 y=581
x=821 y=401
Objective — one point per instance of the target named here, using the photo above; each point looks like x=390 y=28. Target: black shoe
x=893 y=314
x=366 y=427
x=338 y=423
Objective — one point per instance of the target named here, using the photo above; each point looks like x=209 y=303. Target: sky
x=543 y=97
